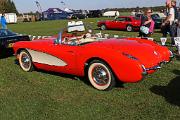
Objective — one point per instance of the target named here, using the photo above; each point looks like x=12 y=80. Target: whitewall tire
x=100 y=76
x=129 y=28
x=25 y=61
x=103 y=27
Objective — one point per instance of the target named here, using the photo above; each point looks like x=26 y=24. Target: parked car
x=104 y=61
x=94 y=13
x=7 y=39
x=161 y=15
x=158 y=21
x=79 y=14
x=128 y=23
x=111 y=13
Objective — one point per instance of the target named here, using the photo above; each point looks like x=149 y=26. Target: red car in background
x=128 y=23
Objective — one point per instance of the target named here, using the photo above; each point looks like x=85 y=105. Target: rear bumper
x=151 y=70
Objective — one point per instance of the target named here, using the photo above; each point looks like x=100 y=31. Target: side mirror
x=59 y=39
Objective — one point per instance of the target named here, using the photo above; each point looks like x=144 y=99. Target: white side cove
x=43 y=58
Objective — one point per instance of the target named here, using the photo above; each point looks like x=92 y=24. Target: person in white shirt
x=169 y=22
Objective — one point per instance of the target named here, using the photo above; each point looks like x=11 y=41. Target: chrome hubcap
x=25 y=61
x=100 y=75
x=103 y=27
x=129 y=28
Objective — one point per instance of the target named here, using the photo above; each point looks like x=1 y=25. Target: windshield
x=5 y=33
x=78 y=33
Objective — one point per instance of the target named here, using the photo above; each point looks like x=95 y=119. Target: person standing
x=3 y=22
x=147 y=24
x=173 y=2
x=169 y=22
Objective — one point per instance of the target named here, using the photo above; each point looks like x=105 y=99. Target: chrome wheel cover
x=100 y=75
x=103 y=27
x=26 y=62
x=129 y=28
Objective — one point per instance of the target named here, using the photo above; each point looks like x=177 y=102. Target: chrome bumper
x=153 y=68
x=145 y=70
x=171 y=54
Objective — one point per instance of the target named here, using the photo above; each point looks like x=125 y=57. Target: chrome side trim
x=44 y=58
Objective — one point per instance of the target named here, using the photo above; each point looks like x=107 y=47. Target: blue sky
x=29 y=5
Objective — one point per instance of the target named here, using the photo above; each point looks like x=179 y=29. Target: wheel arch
x=87 y=63
x=19 y=50
x=129 y=25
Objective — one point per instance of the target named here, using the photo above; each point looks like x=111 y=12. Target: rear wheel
x=129 y=28
x=103 y=27
x=25 y=61
x=100 y=75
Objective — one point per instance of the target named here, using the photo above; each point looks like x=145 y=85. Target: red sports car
x=128 y=23
x=102 y=60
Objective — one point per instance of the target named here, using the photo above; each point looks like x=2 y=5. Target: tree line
x=156 y=8
x=7 y=6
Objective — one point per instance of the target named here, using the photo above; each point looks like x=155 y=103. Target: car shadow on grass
x=171 y=92
x=72 y=77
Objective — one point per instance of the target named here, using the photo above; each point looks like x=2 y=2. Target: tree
x=7 y=6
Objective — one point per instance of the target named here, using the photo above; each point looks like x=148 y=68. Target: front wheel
x=100 y=76
x=25 y=61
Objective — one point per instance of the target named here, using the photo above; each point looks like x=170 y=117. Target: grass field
x=48 y=96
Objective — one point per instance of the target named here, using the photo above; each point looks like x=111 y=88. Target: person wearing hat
x=3 y=22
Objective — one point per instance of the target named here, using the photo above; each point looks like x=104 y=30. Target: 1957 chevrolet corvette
x=102 y=60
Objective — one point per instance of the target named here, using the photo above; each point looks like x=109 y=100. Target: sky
x=29 y=5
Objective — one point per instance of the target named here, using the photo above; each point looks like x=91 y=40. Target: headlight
x=130 y=56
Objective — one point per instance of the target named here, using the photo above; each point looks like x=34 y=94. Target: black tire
x=103 y=27
x=100 y=76
x=129 y=28
x=25 y=61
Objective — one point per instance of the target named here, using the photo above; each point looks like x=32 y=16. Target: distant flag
x=37 y=2
x=62 y=2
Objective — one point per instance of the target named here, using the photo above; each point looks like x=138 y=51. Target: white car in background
x=111 y=14
x=161 y=15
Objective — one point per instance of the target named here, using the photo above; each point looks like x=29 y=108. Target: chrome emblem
x=155 y=53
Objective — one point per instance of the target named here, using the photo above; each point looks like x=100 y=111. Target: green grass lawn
x=40 y=95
